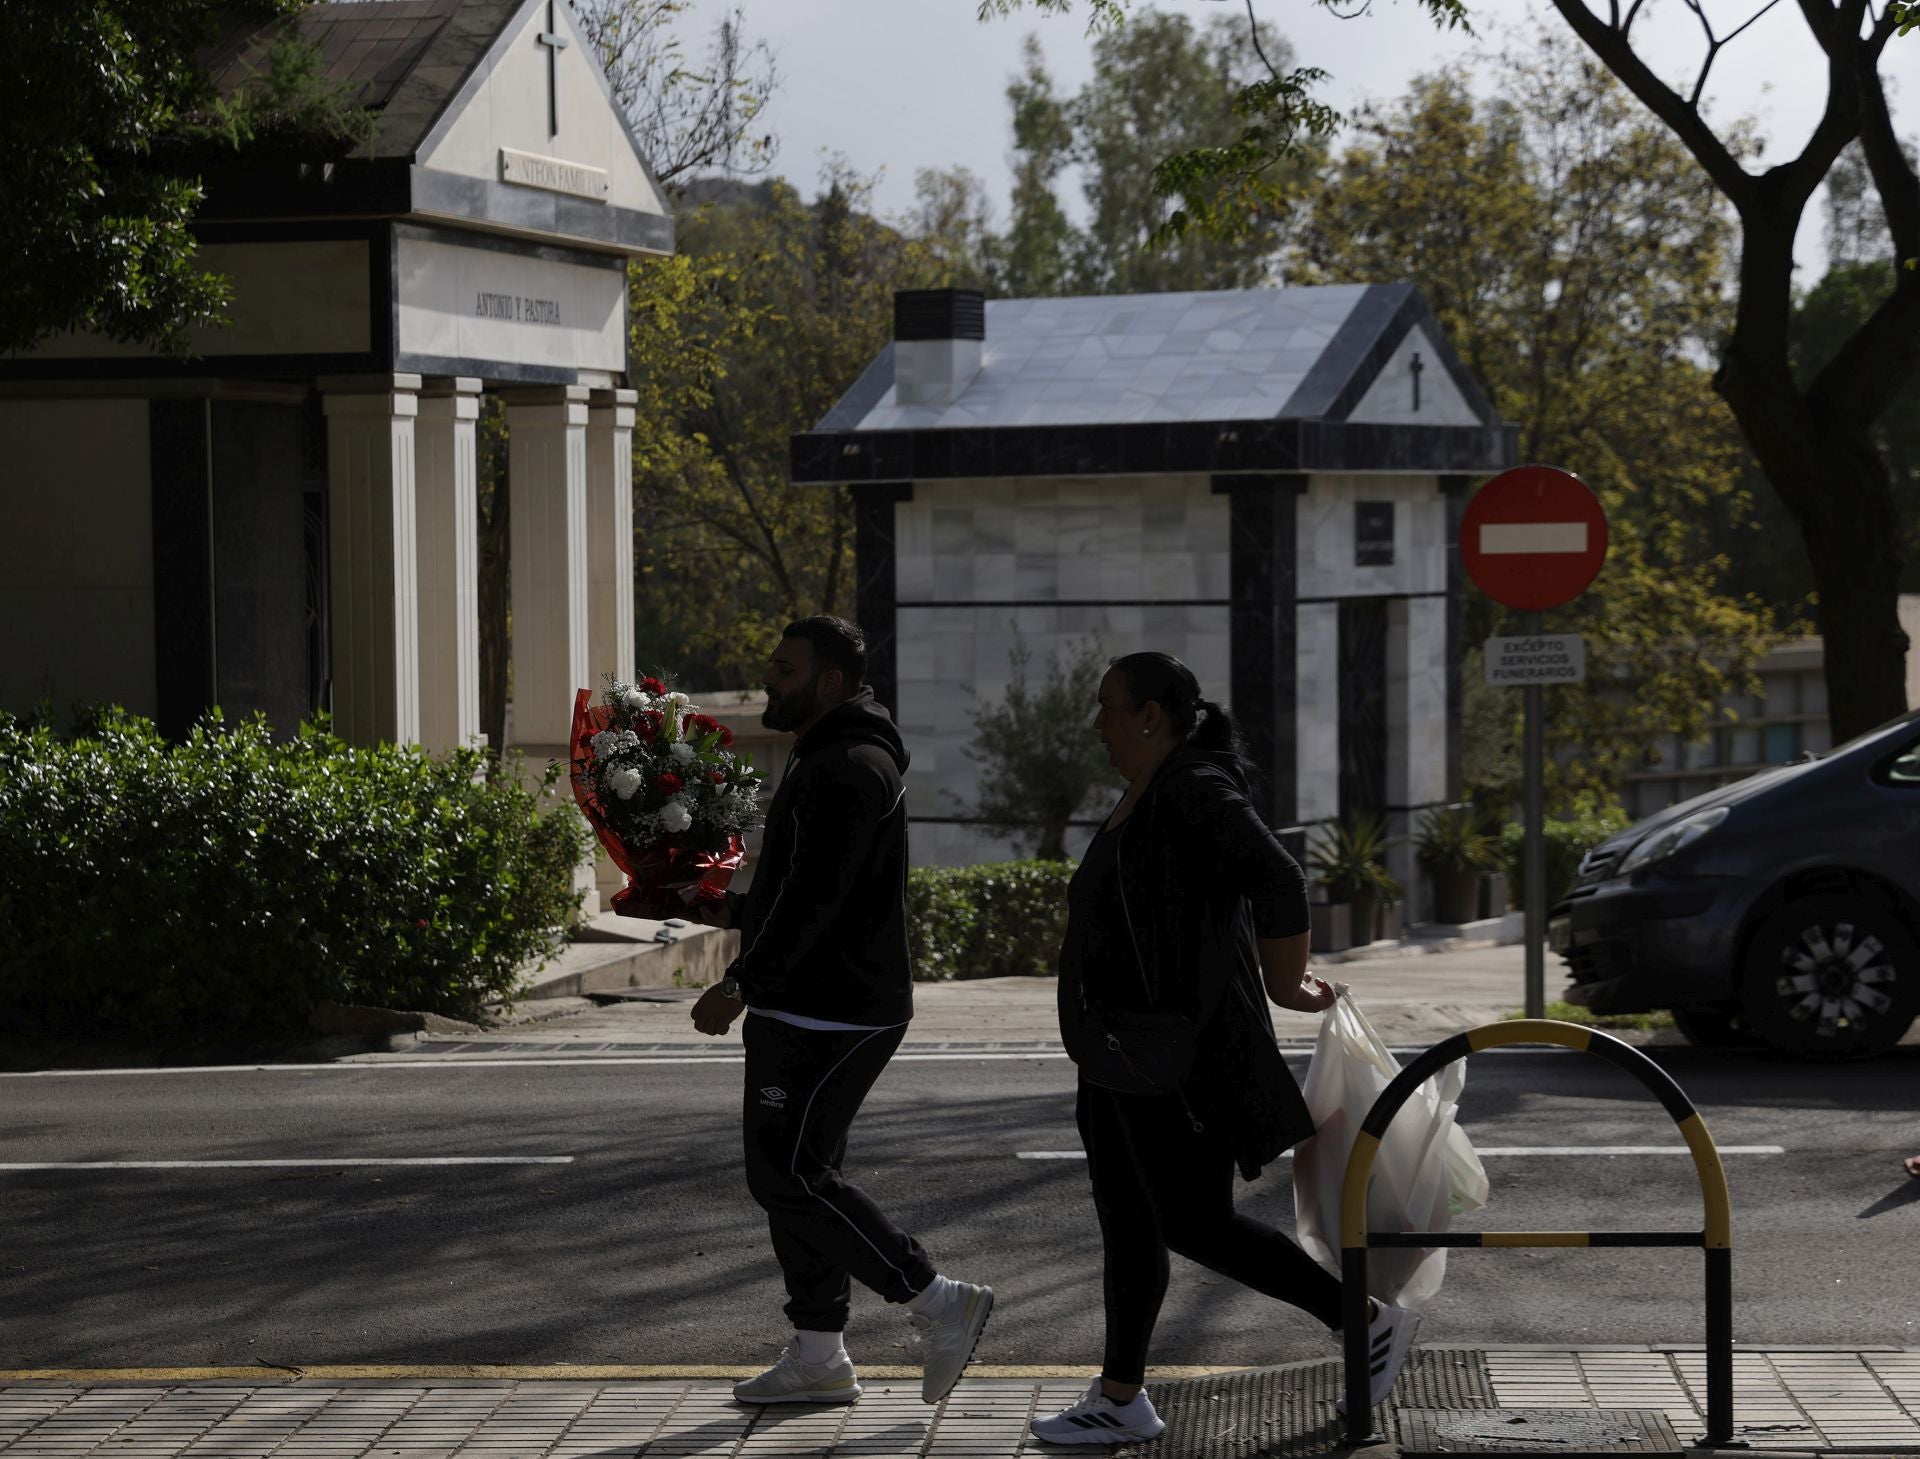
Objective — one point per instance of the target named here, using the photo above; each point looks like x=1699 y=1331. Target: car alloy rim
x=1838 y=978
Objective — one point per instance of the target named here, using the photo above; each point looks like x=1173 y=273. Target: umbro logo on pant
x=774 y=1097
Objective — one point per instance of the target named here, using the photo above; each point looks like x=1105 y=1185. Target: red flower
x=719 y=777
x=422 y=923
x=667 y=783
x=726 y=736
x=653 y=685
x=648 y=724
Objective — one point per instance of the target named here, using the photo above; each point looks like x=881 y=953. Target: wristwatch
x=729 y=987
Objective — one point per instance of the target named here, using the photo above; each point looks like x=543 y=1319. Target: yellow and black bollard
x=1716 y=1236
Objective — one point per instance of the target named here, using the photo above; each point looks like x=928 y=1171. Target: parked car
x=1783 y=909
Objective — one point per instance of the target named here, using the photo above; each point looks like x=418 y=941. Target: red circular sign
x=1533 y=537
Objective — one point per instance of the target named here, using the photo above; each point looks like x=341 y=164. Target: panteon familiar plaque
x=553 y=174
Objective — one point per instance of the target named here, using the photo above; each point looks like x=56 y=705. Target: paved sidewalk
x=1414 y=1000
x=1791 y=1400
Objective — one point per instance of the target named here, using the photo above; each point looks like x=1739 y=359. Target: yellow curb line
x=562 y=1372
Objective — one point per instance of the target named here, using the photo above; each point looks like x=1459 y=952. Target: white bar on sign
x=1506 y=538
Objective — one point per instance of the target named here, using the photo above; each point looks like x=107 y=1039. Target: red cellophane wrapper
x=665 y=879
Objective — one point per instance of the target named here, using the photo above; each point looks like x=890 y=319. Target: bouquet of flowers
x=665 y=793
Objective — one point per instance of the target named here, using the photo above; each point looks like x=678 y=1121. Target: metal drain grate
x=1534 y=1432
x=1288 y=1413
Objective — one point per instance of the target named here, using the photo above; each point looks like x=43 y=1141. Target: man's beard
x=792 y=709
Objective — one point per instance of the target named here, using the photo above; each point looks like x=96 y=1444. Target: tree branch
x=1616 y=53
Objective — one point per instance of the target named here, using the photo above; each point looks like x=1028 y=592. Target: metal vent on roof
x=939 y=314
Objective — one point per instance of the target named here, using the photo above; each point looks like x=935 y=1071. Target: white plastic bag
x=1424 y=1172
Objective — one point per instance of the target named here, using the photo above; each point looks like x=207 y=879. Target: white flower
x=678 y=700
x=624 y=780
x=681 y=751
x=634 y=699
x=675 y=817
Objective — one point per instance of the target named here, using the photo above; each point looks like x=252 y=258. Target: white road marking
x=1502 y=1150
x=1505 y=538
x=276 y=1164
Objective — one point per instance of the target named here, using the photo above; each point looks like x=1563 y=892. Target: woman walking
x=1184 y=916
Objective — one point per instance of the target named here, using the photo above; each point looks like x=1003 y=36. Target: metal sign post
x=1535 y=812
x=1533 y=538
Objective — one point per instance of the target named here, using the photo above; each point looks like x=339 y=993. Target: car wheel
x=1716 y=1026
x=1832 y=977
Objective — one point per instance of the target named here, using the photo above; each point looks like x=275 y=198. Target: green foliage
x=1568 y=838
x=111 y=117
x=769 y=311
x=224 y=885
x=1350 y=856
x=1578 y=258
x=1039 y=758
x=996 y=920
x=1453 y=838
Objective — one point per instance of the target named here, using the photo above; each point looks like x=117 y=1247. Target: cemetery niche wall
x=286 y=521
x=1265 y=483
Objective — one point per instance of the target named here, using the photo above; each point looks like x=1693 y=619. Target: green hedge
x=223 y=885
x=997 y=920
x=1567 y=840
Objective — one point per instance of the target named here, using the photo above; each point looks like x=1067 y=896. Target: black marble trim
x=491 y=371
x=874 y=578
x=874 y=382
x=268 y=191
x=1359 y=351
x=180 y=447
x=939 y=314
x=831 y=457
x=1353 y=353
x=1351 y=597
x=384 y=295
x=1454 y=489
x=519 y=248
x=227 y=367
x=1263 y=668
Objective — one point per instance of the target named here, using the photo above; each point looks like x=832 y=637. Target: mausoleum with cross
x=286 y=521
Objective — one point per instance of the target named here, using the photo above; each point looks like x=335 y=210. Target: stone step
x=611 y=951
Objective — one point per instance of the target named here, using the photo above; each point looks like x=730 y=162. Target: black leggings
x=1158 y=1186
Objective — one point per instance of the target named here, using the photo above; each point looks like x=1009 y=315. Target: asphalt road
x=645 y=1248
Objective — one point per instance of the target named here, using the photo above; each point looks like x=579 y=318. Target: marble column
x=1317 y=711
x=610 y=534
x=448 y=510
x=874 y=573
x=374 y=557
x=547 y=479
x=1263 y=584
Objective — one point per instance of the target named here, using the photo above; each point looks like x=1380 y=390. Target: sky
x=898 y=85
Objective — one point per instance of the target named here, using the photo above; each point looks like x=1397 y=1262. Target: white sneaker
x=1097 y=1419
x=1389 y=1340
x=949 y=1337
x=791 y=1381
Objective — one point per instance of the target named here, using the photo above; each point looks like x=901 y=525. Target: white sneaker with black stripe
x=1097 y=1419
x=1389 y=1340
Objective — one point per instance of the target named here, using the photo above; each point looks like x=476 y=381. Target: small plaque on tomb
x=553 y=174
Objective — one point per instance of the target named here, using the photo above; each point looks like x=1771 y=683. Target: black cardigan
x=1203 y=877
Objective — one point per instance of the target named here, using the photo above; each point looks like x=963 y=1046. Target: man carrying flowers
x=825 y=974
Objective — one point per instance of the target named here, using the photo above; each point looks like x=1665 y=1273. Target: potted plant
x=1453 y=845
x=1347 y=858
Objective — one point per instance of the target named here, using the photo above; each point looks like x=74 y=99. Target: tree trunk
x=1830 y=476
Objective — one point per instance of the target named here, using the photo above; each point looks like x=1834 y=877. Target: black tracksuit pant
x=1158 y=1186
x=803 y=1088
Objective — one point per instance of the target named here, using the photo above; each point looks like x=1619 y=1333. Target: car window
x=1904 y=768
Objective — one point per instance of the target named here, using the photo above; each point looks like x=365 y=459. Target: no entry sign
x=1533 y=538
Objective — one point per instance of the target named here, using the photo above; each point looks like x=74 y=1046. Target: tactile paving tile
x=1584 y=1434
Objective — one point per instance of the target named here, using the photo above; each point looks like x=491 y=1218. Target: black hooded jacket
x=823 y=929
x=1204 y=877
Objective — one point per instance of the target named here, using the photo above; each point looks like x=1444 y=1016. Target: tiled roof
x=402 y=58
x=1228 y=355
